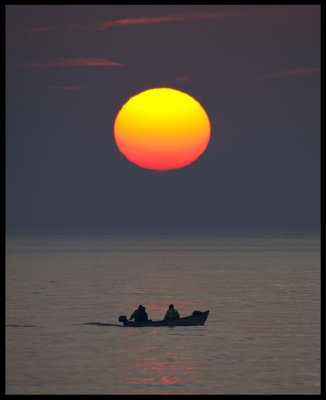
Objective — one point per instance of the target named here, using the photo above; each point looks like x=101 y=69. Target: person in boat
x=139 y=315
x=171 y=313
x=145 y=313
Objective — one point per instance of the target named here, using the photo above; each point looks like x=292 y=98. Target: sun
x=162 y=129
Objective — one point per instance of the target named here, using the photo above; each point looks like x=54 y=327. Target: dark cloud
x=290 y=73
x=74 y=62
x=161 y=19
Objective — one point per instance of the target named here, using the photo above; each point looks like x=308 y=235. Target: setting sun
x=162 y=129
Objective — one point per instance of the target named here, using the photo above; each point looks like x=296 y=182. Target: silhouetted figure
x=145 y=314
x=139 y=315
x=171 y=313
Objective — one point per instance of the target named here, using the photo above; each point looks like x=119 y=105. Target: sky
x=254 y=68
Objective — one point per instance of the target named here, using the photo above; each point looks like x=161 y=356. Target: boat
x=195 y=319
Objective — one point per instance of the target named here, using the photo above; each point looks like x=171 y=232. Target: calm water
x=262 y=335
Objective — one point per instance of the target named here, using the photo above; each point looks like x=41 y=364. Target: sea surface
x=262 y=335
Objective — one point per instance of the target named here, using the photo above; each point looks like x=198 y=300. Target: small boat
x=195 y=319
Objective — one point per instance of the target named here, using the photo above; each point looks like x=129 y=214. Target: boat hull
x=198 y=318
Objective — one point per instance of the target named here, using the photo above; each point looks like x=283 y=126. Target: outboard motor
x=123 y=318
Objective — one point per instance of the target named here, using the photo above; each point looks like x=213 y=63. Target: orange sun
x=162 y=129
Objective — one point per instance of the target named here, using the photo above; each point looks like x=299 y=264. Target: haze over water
x=262 y=335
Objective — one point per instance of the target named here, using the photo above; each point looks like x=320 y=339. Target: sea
x=262 y=290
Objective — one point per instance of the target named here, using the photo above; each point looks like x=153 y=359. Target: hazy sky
x=255 y=70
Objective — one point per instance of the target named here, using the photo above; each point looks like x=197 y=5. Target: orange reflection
x=154 y=371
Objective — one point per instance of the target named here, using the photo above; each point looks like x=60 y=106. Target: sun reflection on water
x=155 y=369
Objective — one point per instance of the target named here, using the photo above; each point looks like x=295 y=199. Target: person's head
x=140 y=307
x=171 y=306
